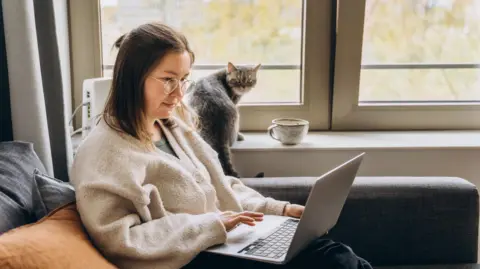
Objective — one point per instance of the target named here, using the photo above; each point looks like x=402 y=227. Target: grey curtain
x=36 y=38
x=5 y=114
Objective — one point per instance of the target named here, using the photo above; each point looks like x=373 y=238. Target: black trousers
x=321 y=254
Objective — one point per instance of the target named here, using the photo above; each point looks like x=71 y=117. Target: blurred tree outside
x=270 y=32
x=426 y=32
x=241 y=31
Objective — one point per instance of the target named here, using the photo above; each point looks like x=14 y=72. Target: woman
x=151 y=193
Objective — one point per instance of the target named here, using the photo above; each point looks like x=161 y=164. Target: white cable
x=79 y=130
x=76 y=110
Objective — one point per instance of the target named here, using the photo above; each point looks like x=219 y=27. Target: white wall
x=462 y=163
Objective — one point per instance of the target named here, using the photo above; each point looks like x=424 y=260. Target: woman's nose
x=178 y=91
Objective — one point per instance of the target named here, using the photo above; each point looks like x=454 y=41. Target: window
x=243 y=32
x=289 y=38
x=341 y=64
x=407 y=64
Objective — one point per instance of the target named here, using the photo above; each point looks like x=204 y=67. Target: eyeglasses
x=171 y=84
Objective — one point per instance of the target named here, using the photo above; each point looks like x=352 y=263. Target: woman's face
x=163 y=86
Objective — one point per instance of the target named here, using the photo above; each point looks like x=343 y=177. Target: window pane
x=276 y=86
x=420 y=85
x=241 y=31
x=421 y=51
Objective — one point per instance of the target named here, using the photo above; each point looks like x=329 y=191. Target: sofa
x=393 y=222
x=424 y=222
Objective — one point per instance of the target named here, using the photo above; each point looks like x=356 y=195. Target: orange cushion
x=58 y=240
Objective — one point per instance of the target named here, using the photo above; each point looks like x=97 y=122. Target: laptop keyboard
x=276 y=244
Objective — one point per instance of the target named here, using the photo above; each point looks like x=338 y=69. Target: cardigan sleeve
x=252 y=200
x=121 y=234
x=115 y=211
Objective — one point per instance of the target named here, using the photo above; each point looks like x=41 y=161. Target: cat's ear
x=257 y=67
x=231 y=67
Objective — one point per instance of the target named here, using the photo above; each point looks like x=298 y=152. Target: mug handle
x=270 y=131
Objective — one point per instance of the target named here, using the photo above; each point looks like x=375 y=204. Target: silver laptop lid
x=324 y=204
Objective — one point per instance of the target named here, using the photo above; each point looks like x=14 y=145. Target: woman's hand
x=231 y=219
x=293 y=210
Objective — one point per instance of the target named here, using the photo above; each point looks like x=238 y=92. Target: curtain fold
x=38 y=70
x=6 y=133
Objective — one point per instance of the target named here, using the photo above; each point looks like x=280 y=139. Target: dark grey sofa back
x=398 y=220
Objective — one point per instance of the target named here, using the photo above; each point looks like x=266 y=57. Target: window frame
x=348 y=114
x=84 y=38
x=316 y=57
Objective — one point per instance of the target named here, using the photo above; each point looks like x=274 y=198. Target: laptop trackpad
x=243 y=235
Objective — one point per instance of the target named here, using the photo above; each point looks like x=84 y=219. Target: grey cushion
x=18 y=160
x=52 y=193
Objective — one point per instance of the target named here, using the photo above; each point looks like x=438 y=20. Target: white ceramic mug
x=289 y=131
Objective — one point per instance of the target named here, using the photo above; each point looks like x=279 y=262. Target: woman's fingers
x=243 y=219
x=232 y=219
x=255 y=215
x=252 y=214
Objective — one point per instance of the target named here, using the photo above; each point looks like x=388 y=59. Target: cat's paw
x=261 y=174
x=240 y=137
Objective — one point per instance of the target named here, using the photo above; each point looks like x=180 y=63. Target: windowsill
x=255 y=141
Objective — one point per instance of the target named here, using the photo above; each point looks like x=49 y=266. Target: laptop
x=278 y=239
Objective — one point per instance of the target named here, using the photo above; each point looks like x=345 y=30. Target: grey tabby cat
x=214 y=98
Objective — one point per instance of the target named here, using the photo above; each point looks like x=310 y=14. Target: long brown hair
x=139 y=51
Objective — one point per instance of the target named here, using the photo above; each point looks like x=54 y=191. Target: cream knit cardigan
x=144 y=208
